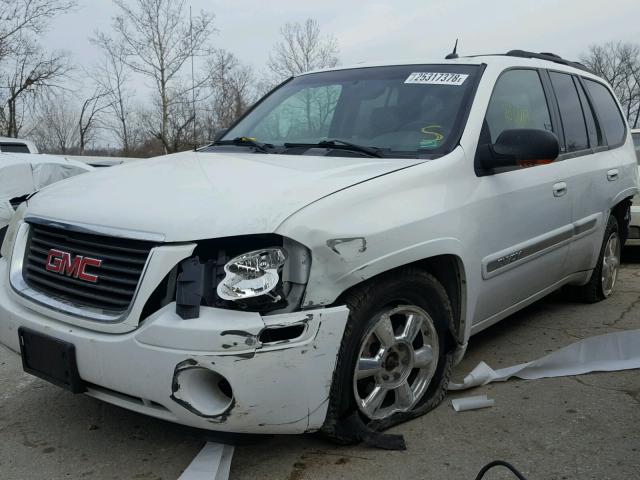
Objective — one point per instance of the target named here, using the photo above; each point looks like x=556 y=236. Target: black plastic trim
x=51 y=359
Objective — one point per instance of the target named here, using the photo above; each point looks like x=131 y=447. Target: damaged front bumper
x=226 y=370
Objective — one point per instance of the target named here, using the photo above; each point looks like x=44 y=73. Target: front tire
x=395 y=359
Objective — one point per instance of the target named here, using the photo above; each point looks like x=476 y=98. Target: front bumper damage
x=218 y=372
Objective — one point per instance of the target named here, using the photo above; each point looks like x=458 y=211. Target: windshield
x=636 y=143
x=403 y=110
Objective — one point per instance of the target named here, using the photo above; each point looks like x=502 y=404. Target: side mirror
x=520 y=147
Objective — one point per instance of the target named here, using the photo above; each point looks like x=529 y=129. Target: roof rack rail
x=551 y=57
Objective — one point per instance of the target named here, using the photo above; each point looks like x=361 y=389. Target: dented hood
x=196 y=195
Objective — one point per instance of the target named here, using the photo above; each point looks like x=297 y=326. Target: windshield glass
x=403 y=110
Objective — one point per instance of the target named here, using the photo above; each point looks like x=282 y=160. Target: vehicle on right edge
x=634 y=224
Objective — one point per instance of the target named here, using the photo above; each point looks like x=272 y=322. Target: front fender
x=386 y=223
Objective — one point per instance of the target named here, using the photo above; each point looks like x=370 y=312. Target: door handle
x=612 y=175
x=560 y=189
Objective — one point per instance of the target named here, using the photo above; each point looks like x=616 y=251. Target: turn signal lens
x=252 y=274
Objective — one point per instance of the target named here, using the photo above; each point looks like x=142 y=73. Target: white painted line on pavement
x=212 y=463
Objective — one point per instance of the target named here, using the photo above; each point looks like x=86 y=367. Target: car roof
x=499 y=60
x=20 y=141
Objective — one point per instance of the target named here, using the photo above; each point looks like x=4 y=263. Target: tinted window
x=573 y=124
x=636 y=143
x=398 y=109
x=14 y=148
x=608 y=112
x=595 y=135
x=518 y=101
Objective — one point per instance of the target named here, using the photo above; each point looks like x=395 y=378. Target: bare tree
x=89 y=116
x=619 y=64
x=158 y=40
x=32 y=16
x=232 y=87
x=112 y=74
x=56 y=123
x=301 y=49
x=30 y=73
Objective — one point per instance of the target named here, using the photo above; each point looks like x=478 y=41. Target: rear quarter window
x=611 y=119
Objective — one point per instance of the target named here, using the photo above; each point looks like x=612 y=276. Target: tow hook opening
x=281 y=334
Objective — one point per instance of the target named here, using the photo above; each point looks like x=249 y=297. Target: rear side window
x=14 y=148
x=593 y=129
x=518 y=101
x=609 y=114
x=573 y=122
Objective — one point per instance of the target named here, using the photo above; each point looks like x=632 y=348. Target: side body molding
x=519 y=254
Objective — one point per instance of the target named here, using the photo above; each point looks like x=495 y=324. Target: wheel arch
x=449 y=270
x=621 y=210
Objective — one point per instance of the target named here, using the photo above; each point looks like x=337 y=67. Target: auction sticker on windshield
x=433 y=78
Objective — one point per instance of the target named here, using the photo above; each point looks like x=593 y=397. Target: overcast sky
x=374 y=30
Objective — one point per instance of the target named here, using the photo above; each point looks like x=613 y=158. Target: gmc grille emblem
x=64 y=264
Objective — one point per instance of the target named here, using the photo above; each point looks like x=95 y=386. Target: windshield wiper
x=343 y=144
x=244 y=142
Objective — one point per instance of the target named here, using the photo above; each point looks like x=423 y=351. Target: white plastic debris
x=604 y=353
x=212 y=463
x=471 y=403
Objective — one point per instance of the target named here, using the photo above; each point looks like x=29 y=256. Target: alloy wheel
x=610 y=264
x=397 y=360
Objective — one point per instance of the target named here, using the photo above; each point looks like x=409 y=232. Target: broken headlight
x=252 y=274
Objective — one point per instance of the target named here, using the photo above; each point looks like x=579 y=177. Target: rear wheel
x=604 y=276
x=395 y=360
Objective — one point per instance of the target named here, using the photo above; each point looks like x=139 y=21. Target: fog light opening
x=225 y=388
x=204 y=391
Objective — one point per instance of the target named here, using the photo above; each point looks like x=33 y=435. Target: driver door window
x=518 y=101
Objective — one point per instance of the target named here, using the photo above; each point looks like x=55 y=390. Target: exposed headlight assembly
x=255 y=273
x=252 y=274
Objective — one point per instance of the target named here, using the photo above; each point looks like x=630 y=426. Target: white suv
x=330 y=256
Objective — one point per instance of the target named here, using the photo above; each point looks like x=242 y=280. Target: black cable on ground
x=500 y=463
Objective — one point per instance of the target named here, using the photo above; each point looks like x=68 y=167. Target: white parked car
x=17 y=145
x=330 y=256
x=22 y=173
x=634 y=224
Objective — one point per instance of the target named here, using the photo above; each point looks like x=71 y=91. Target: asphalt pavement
x=571 y=428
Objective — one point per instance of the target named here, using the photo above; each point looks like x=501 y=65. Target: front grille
x=123 y=261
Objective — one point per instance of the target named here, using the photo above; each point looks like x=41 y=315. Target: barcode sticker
x=433 y=78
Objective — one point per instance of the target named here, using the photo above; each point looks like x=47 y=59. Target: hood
x=197 y=195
